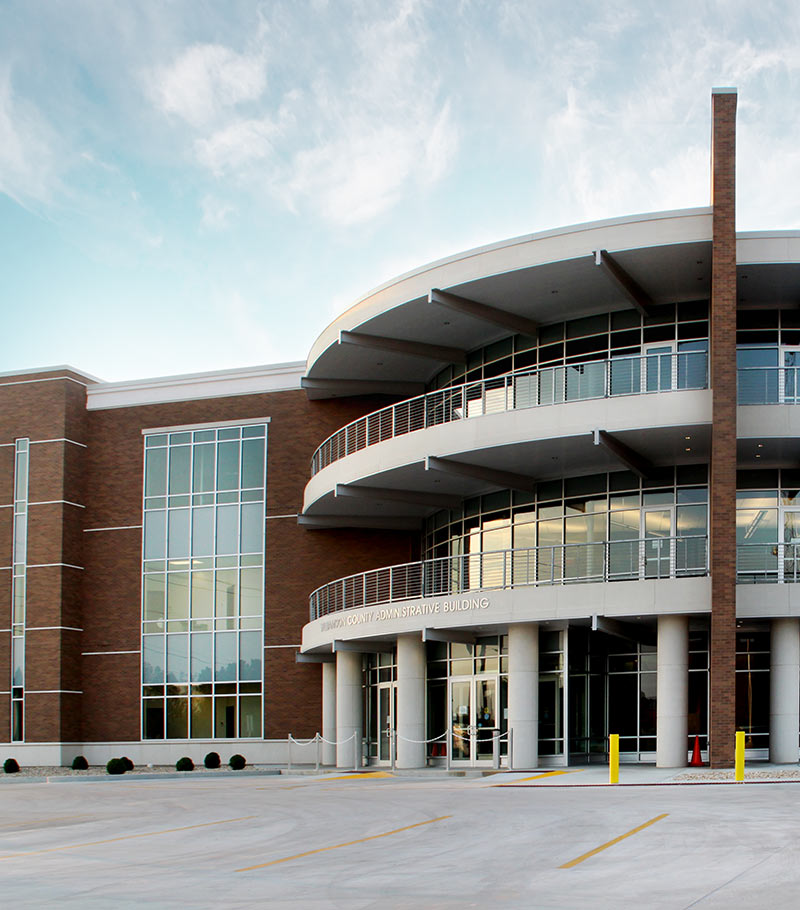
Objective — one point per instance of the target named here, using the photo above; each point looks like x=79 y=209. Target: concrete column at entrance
x=410 y=701
x=672 y=692
x=784 y=690
x=348 y=707
x=329 y=713
x=523 y=693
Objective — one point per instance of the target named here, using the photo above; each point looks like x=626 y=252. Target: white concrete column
x=784 y=690
x=523 y=693
x=349 y=708
x=329 y=713
x=410 y=701
x=672 y=692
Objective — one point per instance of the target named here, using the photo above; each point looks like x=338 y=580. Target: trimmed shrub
x=237 y=762
x=79 y=763
x=116 y=766
x=184 y=764
x=212 y=760
x=10 y=766
x=129 y=765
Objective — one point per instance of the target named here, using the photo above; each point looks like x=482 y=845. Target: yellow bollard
x=613 y=758
x=740 y=755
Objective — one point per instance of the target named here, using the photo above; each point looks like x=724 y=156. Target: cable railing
x=768 y=563
x=768 y=385
x=649 y=373
x=607 y=560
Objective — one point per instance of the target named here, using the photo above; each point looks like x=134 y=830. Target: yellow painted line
x=350 y=843
x=113 y=840
x=616 y=840
x=520 y=780
x=369 y=775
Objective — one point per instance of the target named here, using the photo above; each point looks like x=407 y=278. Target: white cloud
x=216 y=214
x=206 y=79
x=28 y=161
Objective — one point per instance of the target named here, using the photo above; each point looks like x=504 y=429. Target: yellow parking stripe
x=520 y=780
x=369 y=775
x=616 y=840
x=349 y=843
x=113 y=840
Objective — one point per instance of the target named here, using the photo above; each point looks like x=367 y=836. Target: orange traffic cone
x=696 y=761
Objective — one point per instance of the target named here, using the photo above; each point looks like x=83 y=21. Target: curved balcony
x=768 y=385
x=604 y=561
x=593 y=379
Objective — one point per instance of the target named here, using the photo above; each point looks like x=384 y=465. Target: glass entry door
x=789 y=558
x=658 y=527
x=473 y=718
x=659 y=373
x=789 y=386
x=387 y=709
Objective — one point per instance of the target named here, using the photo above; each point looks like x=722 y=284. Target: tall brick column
x=722 y=523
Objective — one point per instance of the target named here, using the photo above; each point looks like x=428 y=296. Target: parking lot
x=362 y=841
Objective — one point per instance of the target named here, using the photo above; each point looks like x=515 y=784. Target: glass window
x=252 y=539
x=155 y=478
x=228 y=466
x=252 y=463
x=201 y=657
x=250 y=648
x=177 y=658
x=225 y=657
x=202 y=532
x=178 y=535
x=179 y=462
x=203 y=475
x=155 y=535
x=227 y=529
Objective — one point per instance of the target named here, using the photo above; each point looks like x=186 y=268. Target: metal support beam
x=503 y=479
x=630 y=458
x=401 y=346
x=333 y=388
x=484 y=312
x=326 y=658
x=450 y=635
x=409 y=497
x=320 y=522
x=634 y=292
x=627 y=630
x=365 y=647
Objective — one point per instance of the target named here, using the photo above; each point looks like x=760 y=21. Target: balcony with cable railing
x=652 y=373
x=581 y=563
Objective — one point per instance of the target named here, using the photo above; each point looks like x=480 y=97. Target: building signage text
x=382 y=614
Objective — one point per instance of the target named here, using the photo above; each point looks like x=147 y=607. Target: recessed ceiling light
x=687 y=437
x=761 y=445
x=758 y=456
x=688 y=449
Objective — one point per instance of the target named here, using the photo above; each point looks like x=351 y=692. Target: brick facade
x=722 y=523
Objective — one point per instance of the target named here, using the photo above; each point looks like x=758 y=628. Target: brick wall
x=723 y=446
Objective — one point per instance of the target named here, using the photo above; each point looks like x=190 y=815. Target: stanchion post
x=289 y=752
x=319 y=749
x=510 y=748
x=356 y=750
x=740 y=755
x=496 y=750
x=613 y=758
x=448 y=745
x=393 y=747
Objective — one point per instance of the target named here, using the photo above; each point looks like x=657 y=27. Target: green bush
x=79 y=763
x=184 y=764
x=10 y=766
x=237 y=762
x=212 y=760
x=116 y=766
x=129 y=765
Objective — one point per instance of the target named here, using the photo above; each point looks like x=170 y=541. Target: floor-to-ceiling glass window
x=381 y=704
x=203 y=580
x=752 y=686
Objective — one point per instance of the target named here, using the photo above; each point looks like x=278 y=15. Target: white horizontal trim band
x=95 y=653
x=52 y=628
x=9 y=506
x=249 y=421
x=281 y=646
x=117 y=528
x=54 y=502
x=47 y=379
x=294 y=515
x=38 y=442
x=47 y=565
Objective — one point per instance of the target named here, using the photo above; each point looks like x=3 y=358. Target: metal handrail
x=768 y=385
x=607 y=560
x=628 y=375
x=768 y=562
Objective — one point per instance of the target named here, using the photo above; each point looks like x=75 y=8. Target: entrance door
x=658 y=372
x=658 y=529
x=789 y=384
x=387 y=704
x=789 y=557
x=473 y=719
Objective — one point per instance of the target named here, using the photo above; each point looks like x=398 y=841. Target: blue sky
x=191 y=185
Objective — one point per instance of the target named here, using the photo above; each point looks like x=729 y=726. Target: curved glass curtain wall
x=626 y=333
x=614 y=506
x=768 y=526
x=768 y=356
x=203 y=583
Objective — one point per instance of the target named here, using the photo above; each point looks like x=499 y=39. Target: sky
x=193 y=185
